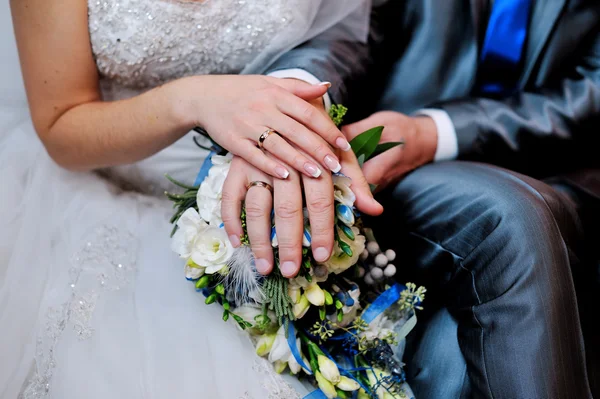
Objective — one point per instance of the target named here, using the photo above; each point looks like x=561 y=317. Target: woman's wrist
x=181 y=97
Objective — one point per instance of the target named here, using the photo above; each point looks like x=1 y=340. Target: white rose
x=212 y=250
x=339 y=262
x=342 y=191
x=189 y=226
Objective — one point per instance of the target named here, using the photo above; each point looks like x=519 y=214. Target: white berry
x=373 y=247
x=390 y=255
x=376 y=273
x=368 y=279
x=364 y=255
x=390 y=270
x=361 y=271
x=381 y=260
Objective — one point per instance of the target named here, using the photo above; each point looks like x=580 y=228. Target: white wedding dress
x=93 y=304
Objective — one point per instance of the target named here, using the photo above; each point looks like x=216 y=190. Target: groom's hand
x=419 y=135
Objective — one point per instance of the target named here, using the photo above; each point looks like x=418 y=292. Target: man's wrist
x=427 y=136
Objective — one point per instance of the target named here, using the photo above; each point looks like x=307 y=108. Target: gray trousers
x=495 y=250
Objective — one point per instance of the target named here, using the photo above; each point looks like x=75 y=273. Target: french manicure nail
x=235 y=240
x=321 y=254
x=262 y=265
x=288 y=268
x=328 y=84
x=282 y=172
x=342 y=144
x=312 y=169
x=332 y=164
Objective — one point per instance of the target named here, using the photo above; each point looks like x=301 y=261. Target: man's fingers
x=289 y=223
x=320 y=204
x=360 y=185
x=234 y=191
x=258 y=204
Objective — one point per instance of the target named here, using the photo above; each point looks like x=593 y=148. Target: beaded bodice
x=140 y=44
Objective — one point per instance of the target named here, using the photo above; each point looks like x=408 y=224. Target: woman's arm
x=80 y=131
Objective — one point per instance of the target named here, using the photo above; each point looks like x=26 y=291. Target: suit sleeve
x=539 y=131
x=341 y=62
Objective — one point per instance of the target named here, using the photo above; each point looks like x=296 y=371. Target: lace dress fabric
x=138 y=45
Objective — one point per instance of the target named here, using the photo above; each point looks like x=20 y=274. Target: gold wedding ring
x=263 y=137
x=258 y=183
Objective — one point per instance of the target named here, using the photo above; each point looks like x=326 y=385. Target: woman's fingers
x=304 y=139
x=280 y=148
x=254 y=156
x=320 y=203
x=302 y=89
x=289 y=223
x=314 y=119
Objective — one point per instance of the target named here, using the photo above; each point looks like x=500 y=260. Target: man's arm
x=341 y=62
x=535 y=131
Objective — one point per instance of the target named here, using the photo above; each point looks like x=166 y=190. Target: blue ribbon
x=377 y=307
x=206 y=165
x=293 y=347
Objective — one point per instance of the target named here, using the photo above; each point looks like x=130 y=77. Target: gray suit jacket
x=424 y=53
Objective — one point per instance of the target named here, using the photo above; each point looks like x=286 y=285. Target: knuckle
x=308 y=112
x=289 y=247
x=260 y=245
x=320 y=203
x=320 y=149
x=298 y=160
x=254 y=210
x=287 y=210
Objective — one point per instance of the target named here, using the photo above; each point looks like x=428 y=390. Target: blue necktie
x=503 y=47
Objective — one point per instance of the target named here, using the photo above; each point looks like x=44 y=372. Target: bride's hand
x=237 y=110
x=286 y=199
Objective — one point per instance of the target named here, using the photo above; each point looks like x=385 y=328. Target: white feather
x=243 y=281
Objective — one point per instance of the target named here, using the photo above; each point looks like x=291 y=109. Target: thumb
x=302 y=89
x=365 y=202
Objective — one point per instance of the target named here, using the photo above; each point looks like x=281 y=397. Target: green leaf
x=347 y=231
x=366 y=142
x=361 y=160
x=345 y=247
x=373 y=187
x=383 y=147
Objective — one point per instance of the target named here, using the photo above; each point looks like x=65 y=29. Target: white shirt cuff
x=301 y=74
x=447 y=143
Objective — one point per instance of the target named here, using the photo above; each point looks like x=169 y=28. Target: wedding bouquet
x=340 y=324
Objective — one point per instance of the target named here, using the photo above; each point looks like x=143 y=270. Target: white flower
x=347 y=384
x=326 y=386
x=315 y=294
x=212 y=249
x=211 y=189
x=299 y=309
x=193 y=271
x=381 y=327
x=281 y=352
x=189 y=227
x=328 y=369
x=342 y=191
x=265 y=344
x=339 y=262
